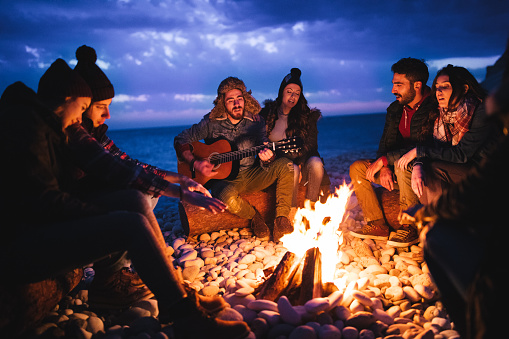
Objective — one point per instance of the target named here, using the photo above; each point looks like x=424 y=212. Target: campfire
x=309 y=269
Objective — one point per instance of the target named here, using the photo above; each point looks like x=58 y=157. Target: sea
x=341 y=135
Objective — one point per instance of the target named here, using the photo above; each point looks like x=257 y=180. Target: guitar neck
x=237 y=155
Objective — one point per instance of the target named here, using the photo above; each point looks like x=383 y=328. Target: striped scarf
x=451 y=126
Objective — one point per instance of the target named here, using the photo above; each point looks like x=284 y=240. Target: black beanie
x=60 y=81
x=292 y=78
x=98 y=82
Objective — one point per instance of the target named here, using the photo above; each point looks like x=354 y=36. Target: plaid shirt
x=94 y=159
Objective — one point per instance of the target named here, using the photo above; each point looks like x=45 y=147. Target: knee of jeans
x=315 y=165
x=356 y=169
x=234 y=204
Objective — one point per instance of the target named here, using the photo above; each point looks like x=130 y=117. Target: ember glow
x=319 y=227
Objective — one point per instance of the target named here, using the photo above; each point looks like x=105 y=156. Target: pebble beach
x=388 y=292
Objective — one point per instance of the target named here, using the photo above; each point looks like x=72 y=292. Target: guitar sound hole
x=214 y=162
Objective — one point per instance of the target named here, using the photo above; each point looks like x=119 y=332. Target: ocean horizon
x=338 y=135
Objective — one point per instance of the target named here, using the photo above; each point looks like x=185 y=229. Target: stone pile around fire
x=387 y=292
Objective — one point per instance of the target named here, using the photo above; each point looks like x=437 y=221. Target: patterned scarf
x=451 y=126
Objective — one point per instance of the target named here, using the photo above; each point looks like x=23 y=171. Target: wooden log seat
x=22 y=307
x=389 y=201
x=196 y=221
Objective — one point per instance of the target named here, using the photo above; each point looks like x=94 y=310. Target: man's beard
x=408 y=97
x=236 y=115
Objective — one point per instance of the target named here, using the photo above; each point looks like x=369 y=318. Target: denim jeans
x=256 y=179
x=312 y=175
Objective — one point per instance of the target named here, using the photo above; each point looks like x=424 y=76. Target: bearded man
x=235 y=118
x=402 y=131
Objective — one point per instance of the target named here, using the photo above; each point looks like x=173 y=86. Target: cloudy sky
x=166 y=58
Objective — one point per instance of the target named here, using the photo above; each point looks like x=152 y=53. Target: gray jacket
x=249 y=132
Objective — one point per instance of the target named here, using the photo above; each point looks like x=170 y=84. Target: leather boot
x=190 y=323
x=282 y=226
x=259 y=227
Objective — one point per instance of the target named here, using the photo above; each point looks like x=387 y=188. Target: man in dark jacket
x=402 y=131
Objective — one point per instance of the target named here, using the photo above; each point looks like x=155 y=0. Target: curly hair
x=251 y=105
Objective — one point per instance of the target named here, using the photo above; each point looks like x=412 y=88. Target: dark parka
x=392 y=145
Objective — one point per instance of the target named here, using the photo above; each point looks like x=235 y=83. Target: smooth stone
x=149 y=305
x=362 y=298
x=273 y=318
x=349 y=332
x=248 y=259
x=383 y=316
x=242 y=292
x=394 y=293
x=424 y=291
x=329 y=332
x=303 y=332
x=247 y=314
x=230 y=314
x=210 y=290
x=260 y=305
x=367 y=334
x=335 y=298
x=280 y=331
x=233 y=300
x=317 y=305
x=260 y=327
x=411 y=294
x=190 y=273
x=361 y=320
x=288 y=314
x=342 y=312
x=94 y=325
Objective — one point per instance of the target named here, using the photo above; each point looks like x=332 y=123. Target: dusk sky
x=166 y=58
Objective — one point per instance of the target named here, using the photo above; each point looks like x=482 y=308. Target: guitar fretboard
x=235 y=155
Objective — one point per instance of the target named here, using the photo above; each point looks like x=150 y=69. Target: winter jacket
x=247 y=133
x=474 y=146
x=310 y=143
x=392 y=145
x=36 y=164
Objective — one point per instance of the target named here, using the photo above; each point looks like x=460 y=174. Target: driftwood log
x=281 y=278
x=196 y=221
x=23 y=306
x=311 y=285
x=389 y=200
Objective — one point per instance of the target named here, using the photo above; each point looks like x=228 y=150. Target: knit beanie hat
x=60 y=81
x=251 y=105
x=292 y=78
x=98 y=82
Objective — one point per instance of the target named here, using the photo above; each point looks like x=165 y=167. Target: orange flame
x=319 y=227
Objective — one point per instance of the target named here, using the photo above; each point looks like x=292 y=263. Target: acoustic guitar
x=226 y=161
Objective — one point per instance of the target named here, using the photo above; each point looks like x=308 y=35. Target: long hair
x=298 y=119
x=458 y=77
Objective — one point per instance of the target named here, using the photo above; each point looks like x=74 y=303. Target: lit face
x=72 y=110
x=402 y=89
x=234 y=102
x=444 y=91
x=291 y=95
x=99 y=112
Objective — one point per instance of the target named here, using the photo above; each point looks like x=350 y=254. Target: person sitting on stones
x=235 y=118
x=404 y=123
x=291 y=116
x=94 y=122
x=464 y=236
x=55 y=231
x=462 y=135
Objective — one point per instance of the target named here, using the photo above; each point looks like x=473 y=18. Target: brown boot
x=259 y=227
x=190 y=323
x=117 y=291
x=282 y=226
x=210 y=305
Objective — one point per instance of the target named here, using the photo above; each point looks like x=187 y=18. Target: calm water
x=338 y=135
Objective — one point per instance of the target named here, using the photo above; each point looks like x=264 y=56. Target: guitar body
x=204 y=151
x=226 y=162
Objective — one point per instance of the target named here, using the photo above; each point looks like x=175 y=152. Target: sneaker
x=117 y=291
x=375 y=229
x=259 y=227
x=282 y=226
x=405 y=236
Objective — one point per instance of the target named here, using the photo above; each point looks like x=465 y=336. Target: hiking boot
x=117 y=291
x=190 y=323
x=282 y=226
x=210 y=305
x=259 y=227
x=405 y=236
x=374 y=229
